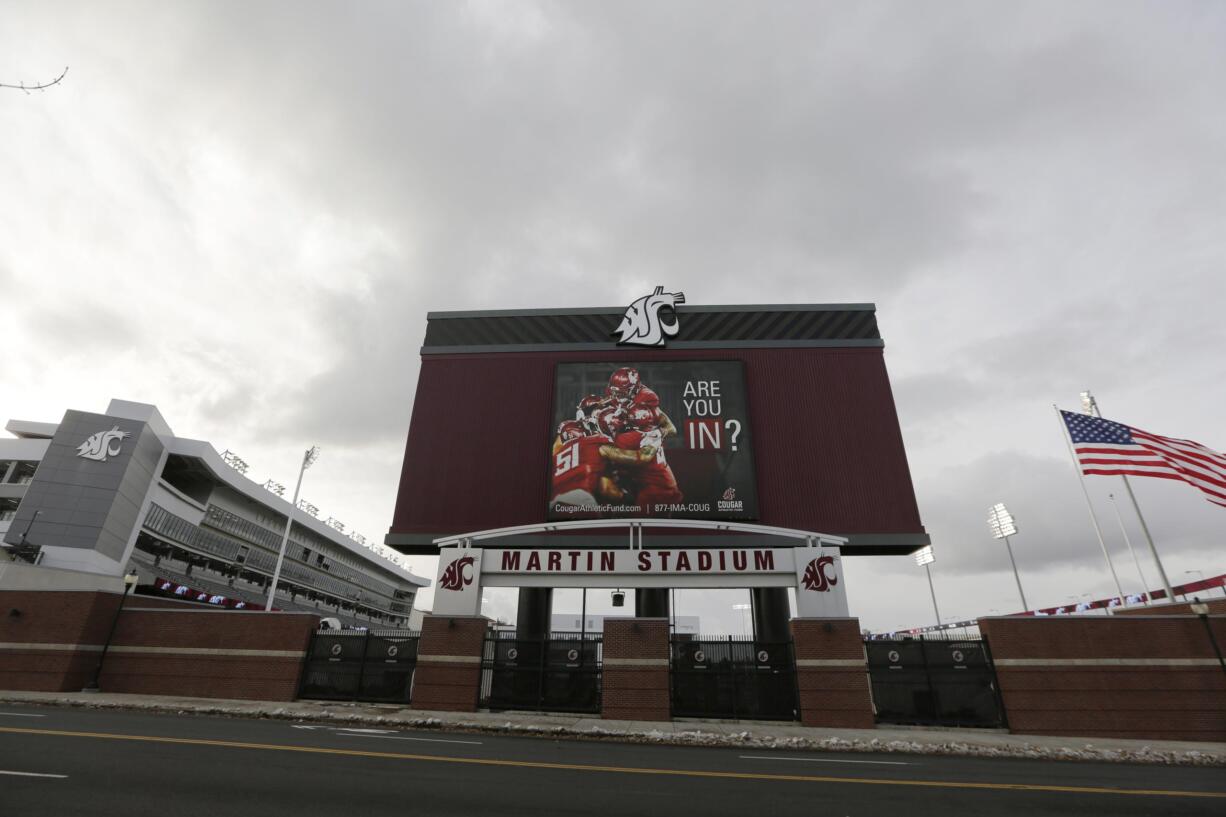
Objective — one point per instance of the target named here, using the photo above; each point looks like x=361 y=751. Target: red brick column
x=635 y=670
x=448 y=675
x=832 y=673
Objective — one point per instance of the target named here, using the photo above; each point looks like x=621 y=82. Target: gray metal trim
x=692 y=344
x=681 y=310
x=902 y=543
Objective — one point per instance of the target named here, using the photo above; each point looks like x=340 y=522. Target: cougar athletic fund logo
x=103 y=444
x=458 y=574
x=642 y=324
x=816 y=578
x=729 y=502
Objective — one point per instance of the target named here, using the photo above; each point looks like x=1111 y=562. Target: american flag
x=1114 y=449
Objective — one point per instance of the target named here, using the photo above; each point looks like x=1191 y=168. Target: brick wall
x=635 y=672
x=832 y=673
x=448 y=674
x=49 y=640
x=1154 y=677
x=208 y=653
x=53 y=640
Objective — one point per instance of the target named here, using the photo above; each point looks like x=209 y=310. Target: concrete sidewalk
x=758 y=734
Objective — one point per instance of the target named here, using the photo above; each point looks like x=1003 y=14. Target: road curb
x=748 y=738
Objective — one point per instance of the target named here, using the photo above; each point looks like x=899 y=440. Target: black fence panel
x=561 y=673
x=731 y=678
x=947 y=682
x=360 y=665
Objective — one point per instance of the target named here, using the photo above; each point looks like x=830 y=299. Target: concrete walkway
x=761 y=734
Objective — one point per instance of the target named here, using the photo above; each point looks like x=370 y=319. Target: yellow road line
x=532 y=764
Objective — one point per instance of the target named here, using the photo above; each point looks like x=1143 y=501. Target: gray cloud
x=260 y=203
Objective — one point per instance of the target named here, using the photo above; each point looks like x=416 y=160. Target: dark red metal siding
x=827 y=445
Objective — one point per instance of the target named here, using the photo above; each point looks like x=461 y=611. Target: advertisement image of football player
x=579 y=471
x=638 y=452
x=585 y=412
x=628 y=390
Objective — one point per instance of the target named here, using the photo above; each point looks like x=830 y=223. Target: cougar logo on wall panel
x=103 y=444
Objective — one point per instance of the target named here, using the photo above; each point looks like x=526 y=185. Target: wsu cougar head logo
x=642 y=326
x=456 y=577
x=815 y=577
x=103 y=444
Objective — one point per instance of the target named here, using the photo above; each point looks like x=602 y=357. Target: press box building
x=118 y=492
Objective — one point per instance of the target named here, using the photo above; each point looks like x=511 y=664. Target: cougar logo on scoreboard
x=642 y=325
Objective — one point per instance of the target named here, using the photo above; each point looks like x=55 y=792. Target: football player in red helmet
x=639 y=452
x=611 y=421
x=581 y=482
x=627 y=389
x=567 y=431
x=643 y=418
x=624 y=383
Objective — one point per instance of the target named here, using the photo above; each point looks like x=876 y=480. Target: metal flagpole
x=932 y=590
x=1166 y=583
x=1128 y=541
x=308 y=459
x=1082 y=481
x=1088 y=402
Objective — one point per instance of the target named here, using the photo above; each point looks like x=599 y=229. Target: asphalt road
x=62 y=762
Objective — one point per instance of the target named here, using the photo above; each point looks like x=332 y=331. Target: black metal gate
x=733 y=678
x=360 y=665
x=561 y=673
x=934 y=682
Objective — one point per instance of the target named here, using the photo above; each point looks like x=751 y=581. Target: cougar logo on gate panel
x=455 y=577
x=815 y=577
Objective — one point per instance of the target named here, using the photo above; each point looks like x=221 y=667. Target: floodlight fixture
x=1088 y=404
x=1000 y=522
x=234 y=461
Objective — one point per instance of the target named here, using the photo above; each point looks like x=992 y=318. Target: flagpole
x=1082 y=481
x=1128 y=541
x=1092 y=404
x=1166 y=583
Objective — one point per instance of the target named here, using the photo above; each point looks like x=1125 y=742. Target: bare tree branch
x=39 y=87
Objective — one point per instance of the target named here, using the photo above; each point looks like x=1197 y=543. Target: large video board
x=660 y=439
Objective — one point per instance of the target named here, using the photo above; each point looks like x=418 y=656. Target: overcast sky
x=241 y=212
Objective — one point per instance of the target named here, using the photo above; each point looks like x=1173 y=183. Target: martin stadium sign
x=814 y=570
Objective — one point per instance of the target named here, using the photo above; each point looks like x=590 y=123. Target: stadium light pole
x=1128 y=541
x=1090 y=406
x=1002 y=526
x=925 y=557
x=308 y=459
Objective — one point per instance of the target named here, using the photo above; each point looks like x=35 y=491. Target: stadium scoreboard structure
x=775 y=415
